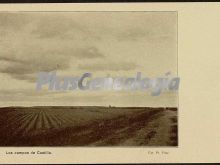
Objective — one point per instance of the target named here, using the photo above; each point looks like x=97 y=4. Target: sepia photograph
x=89 y=79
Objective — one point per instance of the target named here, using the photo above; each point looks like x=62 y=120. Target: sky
x=72 y=43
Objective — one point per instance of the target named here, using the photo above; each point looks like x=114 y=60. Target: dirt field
x=88 y=126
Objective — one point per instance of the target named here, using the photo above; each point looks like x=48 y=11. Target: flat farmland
x=88 y=126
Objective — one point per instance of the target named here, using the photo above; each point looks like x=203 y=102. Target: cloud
x=39 y=61
x=24 y=53
x=132 y=35
x=49 y=41
x=110 y=66
x=32 y=61
x=29 y=58
x=55 y=26
x=90 y=52
x=13 y=21
x=8 y=59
